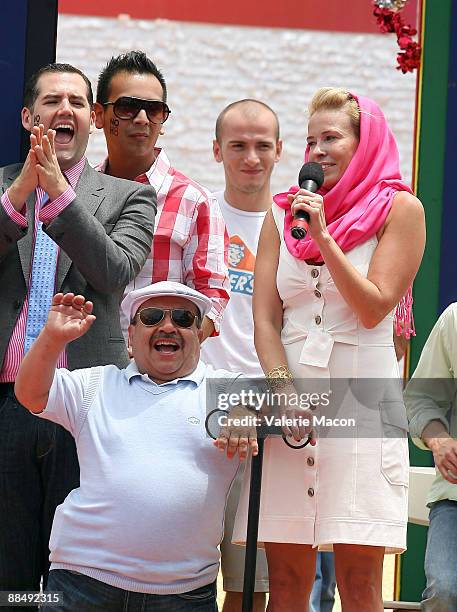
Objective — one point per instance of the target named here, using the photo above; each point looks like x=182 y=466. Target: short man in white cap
x=143 y=528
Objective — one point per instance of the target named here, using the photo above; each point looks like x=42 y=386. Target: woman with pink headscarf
x=324 y=309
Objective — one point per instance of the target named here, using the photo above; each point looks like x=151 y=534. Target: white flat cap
x=134 y=299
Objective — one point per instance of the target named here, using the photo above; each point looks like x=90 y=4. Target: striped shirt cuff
x=15 y=216
x=52 y=209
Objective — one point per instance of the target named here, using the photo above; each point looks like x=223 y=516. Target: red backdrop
x=356 y=16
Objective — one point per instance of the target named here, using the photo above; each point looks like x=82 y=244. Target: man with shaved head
x=247 y=143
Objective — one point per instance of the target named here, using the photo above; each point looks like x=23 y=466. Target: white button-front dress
x=352 y=486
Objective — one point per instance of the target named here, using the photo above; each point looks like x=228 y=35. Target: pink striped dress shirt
x=15 y=350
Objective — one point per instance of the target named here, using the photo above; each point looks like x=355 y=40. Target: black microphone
x=310 y=178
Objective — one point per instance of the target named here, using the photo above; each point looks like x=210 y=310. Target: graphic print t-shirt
x=233 y=349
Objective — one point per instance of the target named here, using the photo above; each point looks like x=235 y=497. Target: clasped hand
x=41 y=167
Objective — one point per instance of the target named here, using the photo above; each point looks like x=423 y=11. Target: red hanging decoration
x=389 y=21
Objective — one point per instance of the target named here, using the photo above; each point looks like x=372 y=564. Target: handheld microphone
x=310 y=178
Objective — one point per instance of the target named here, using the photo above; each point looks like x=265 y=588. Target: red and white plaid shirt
x=190 y=240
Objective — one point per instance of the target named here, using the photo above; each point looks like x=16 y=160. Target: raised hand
x=69 y=318
x=50 y=176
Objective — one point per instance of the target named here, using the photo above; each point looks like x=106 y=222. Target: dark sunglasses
x=128 y=108
x=153 y=316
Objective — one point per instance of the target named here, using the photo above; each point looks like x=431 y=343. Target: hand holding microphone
x=310 y=178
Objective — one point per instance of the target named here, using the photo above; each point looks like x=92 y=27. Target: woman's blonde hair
x=336 y=98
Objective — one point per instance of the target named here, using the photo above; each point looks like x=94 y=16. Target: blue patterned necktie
x=42 y=282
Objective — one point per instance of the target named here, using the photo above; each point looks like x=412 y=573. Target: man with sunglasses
x=142 y=530
x=66 y=227
x=189 y=243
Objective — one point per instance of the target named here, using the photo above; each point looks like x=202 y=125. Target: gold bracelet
x=279 y=377
x=279 y=372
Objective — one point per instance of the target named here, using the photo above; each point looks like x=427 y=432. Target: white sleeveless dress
x=352 y=486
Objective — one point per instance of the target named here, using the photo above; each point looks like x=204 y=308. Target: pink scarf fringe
x=404 y=318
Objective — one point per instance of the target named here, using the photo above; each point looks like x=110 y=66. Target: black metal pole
x=41 y=46
x=252 y=529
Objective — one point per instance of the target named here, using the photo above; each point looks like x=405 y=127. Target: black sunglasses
x=127 y=107
x=153 y=316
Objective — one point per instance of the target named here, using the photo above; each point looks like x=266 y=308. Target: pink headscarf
x=357 y=206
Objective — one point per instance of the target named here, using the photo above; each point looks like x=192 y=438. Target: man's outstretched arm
x=69 y=318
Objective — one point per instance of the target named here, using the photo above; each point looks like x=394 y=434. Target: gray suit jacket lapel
x=25 y=245
x=90 y=193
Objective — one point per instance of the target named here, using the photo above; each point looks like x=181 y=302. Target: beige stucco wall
x=208 y=66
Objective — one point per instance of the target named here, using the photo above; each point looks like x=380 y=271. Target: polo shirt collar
x=197 y=376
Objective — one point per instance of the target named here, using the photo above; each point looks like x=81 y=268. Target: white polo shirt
x=148 y=515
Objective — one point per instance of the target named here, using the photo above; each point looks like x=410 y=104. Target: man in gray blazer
x=63 y=227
